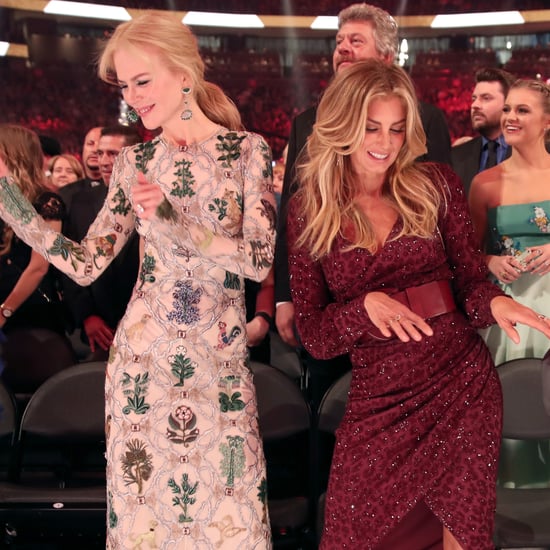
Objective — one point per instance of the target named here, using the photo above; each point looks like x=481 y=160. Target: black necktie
x=491 y=154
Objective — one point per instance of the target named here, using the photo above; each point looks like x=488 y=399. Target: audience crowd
x=70 y=101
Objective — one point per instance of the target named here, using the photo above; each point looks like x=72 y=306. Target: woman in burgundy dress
x=384 y=267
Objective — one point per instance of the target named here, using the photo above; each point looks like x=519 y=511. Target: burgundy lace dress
x=423 y=419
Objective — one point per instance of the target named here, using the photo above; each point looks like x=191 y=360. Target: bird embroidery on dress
x=225 y=339
x=227 y=529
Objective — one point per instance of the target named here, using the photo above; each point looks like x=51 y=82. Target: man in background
x=489 y=147
x=96 y=309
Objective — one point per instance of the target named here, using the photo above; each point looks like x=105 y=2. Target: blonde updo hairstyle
x=540 y=88
x=328 y=186
x=174 y=41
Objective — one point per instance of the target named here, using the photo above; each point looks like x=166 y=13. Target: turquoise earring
x=186 y=113
x=132 y=116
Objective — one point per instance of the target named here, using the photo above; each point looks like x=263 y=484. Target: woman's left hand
x=145 y=197
x=508 y=313
x=539 y=259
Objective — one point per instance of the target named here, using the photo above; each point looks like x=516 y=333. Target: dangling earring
x=186 y=113
x=132 y=116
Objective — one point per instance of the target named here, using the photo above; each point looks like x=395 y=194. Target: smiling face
x=354 y=41
x=149 y=87
x=524 y=121
x=384 y=137
x=63 y=173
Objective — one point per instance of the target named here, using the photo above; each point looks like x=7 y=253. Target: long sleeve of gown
x=247 y=251
x=83 y=262
x=327 y=328
x=331 y=321
x=473 y=290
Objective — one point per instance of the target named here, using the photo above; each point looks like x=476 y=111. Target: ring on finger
x=139 y=208
x=541 y=317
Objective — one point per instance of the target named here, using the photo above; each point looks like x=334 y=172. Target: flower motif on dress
x=146 y=272
x=183 y=185
x=509 y=247
x=233 y=460
x=541 y=219
x=13 y=200
x=267 y=172
x=182 y=429
x=185 y=303
x=144 y=153
x=137 y=464
x=262 y=497
x=135 y=395
x=230 y=146
x=232 y=281
x=182 y=367
x=112 y=517
x=121 y=203
x=184 y=496
x=67 y=250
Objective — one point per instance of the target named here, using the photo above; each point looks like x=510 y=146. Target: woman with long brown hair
x=28 y=294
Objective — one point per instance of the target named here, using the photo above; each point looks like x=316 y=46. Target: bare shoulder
x=487 y=185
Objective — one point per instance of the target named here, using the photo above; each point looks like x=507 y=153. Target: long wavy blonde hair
x=164 y=33
x=328 y=186
x=20 y=150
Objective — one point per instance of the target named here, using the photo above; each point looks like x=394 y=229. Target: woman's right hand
x=505 y=268
x=389 y=315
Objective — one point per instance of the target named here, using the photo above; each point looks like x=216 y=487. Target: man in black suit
x=365 y=32
x=96 y=309
x=488 y=97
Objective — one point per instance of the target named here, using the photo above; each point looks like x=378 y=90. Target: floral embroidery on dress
x=182 y=367
x=233 y=461
x=185 y=303
x=230 y=145
x=184 y=496
x=137 y=464
x=183 y=426
x=541 y=219
x=183 y=189
x=509 y=247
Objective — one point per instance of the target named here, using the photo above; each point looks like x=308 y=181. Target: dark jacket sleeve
x=437 y=134
x=300 y=130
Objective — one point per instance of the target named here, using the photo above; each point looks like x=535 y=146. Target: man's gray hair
x=383 y=25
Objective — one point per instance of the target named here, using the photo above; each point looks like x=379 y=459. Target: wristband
x=265 y=316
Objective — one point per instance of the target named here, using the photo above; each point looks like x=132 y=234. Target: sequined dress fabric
x=423 y=419
x=185 y=465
